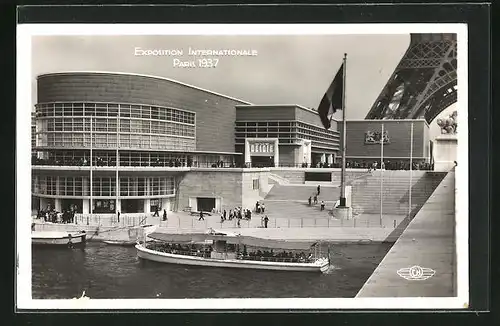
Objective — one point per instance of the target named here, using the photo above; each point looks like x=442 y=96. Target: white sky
x=287 y=70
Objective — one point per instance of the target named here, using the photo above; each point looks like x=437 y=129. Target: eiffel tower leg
x=424 y=83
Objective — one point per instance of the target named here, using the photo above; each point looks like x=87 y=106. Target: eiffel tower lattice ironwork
x=424 y=83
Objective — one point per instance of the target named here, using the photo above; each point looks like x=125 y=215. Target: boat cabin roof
x=232 y=239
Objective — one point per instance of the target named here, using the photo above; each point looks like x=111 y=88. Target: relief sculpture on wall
x=373 y=137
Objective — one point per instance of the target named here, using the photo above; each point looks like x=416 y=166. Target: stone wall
x=234 y=186
x=225 y=183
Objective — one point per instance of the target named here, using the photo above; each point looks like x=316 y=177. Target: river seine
x=108 y=272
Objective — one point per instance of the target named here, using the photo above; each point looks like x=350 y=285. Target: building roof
x=282 y=105
x=142 y=75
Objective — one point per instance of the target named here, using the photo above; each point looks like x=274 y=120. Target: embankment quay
x=332 y=230
x=427 y=242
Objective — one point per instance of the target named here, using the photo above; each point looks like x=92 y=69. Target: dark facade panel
x=287 y=155
x=265 y=113
x=215 y=114
x=398 y=134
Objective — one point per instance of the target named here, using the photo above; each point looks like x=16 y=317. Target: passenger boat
x=58 y=238
x=218 y=249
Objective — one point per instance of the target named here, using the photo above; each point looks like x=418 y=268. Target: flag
x=332 y=100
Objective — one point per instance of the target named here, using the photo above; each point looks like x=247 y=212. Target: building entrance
x=132 y=206
x=205 y=204
x=262 y=161
x=75 y=205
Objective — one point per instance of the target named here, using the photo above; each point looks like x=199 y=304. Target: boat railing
x=277 y=259
x=207 y=254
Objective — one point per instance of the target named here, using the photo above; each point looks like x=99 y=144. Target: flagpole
x=117 y=188
x=381 y=172
x=91 y=210
x=344 y=133
x=411 y=168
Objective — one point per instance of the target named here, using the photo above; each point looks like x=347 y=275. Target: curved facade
x=130 y=122
x=214 y=113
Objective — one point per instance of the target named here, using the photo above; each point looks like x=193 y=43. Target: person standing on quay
x=118 y=215
x=201 y=216
x=266 y=220
x=164 y=214
x=322 y=205
x=156 y=214
x=319 y=189
x=262 y=208
x=224 y=215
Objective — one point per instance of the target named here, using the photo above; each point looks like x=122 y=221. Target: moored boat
x=217 y=249
x=123 y=243
x=58 y=238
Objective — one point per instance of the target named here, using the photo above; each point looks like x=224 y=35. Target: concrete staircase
x=302 y=193
x=395 y=191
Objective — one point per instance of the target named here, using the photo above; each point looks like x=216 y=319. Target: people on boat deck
x=309 y=201
x=315 y=199
x=164 y=214
x=319 y=189
x=224 y=215
x=266 y=220
x=322 y=205
x=156 y=214
x=205 y=251
x=201 y=216
x=262 y=208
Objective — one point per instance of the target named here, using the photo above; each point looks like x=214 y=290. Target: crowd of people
x=110 y=161
x=389 y=165
x=53 y=216
x=298 y=257
x=205 y=252
x=178 y=249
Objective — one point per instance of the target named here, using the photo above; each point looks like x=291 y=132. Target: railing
x=109 y=220
x=371 y=221
x=220 y=164
x=207 y=254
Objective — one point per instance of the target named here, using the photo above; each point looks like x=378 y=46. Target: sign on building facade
x=374 y=137
x=262 y=148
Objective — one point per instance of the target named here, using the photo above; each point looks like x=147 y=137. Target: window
x=255 y=184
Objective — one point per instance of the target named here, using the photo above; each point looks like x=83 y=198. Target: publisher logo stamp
x=416 y=273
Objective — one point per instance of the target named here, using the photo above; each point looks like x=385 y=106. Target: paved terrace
x=428 y=241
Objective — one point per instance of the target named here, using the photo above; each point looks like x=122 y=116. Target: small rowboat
x=58 y=238
x=123 y=243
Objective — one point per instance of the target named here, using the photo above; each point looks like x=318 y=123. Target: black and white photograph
x=213 y=166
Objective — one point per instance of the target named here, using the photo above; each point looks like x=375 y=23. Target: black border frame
x=477 y=16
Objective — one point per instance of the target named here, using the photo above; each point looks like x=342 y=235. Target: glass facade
x=67 y=125
x=103 y=186
x=287 y=132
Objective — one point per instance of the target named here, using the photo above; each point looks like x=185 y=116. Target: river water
x=109 y=272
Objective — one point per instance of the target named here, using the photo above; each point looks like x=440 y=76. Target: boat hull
x=162 y=257
x=62 y=239
x=120 y=243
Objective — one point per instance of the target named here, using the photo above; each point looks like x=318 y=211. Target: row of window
x=287 y=133
x=110 y=125
x=108 y=158
x=113 y=110
x=110 y=140
x=103 y=186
